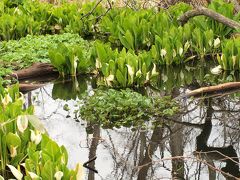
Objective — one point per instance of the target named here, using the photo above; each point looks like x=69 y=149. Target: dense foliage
x=113 y=108
x=130 y=49
x=24 y=142
x=148 y=34
x=15 y=55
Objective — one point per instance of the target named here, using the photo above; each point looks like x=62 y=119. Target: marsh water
x=200 y=143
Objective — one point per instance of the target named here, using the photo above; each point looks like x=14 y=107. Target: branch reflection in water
x=190 y=146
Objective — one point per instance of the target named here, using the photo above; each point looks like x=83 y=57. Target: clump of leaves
x=23 y=140
x=19 y=54
x=123 y=68
x=70 y=59
x=113 y=108
x=230 y=57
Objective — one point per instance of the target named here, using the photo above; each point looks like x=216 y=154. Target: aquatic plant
x=70 y=89
x=124 y=68
x=70 y=60
x=113 y=108
x=16 y=26
x=83 y=22
x=204 y=43
x=30 y=49
x=220 y=30
x=24 y=142
x=171 y=48
x=229 y=59
x=127 y=27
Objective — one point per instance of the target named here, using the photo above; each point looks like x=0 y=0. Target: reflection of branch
x=216 y=153
x=89 y=161
x=222 y=157
x=92 y=152
x=151 y=148
x=187 y=158
x=200 y=126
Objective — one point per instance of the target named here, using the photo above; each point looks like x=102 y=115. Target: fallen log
x=211 y=90
x=209 y=13
x=24 y=88
x=36 y=70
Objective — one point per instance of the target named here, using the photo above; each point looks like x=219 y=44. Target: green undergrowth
x=144 y=40
x=113 y=108
x=26 y=149
x=19 y=54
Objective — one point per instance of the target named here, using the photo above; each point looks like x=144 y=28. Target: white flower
x=234 y=58
x=138 y=73
x=98 y=64
x=36 y=136
x=17 y=174
x=6 y=100
x=22 y=123
x=154 y=70
x=75 y=63
x=163 y=52
x=174 y=53
x=186 y=45
x=13 y=151
x=130 y=70
x=216 y=43
x=21 y=97
x=210 y=42
x=180 y=51
x=33 y=175
x=109 y=79
x=147 y=76
x=216 y=70
x=58 y=175
x=17 y=11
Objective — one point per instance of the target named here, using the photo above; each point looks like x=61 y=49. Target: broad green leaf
x=13 y=140
x=120 y=78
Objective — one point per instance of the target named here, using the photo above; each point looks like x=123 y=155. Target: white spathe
x=216 y=70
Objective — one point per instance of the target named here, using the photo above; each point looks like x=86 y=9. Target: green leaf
x=13 y=140
x=48 y=171
x=120 y=78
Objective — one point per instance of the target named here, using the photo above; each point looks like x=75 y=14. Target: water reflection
x=202 y=143
x=210 y=154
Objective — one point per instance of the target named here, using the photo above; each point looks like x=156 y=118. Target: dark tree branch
x=93 y=9
x=209 y=13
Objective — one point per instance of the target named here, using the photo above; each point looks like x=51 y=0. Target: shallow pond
x=171 y=150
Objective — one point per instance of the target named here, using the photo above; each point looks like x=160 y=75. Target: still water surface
x=169 y=151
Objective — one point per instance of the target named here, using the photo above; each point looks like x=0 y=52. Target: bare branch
x=93 y=9
x=209 y=13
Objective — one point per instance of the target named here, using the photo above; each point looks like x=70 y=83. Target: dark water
x=201 y=143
